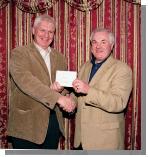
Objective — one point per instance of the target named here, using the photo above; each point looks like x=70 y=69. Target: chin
x=45 y=46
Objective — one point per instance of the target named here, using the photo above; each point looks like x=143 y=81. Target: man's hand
x=80 y=86
x=56 y=87
x=66 y=103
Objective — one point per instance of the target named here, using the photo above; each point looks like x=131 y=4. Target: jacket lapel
x=53 y=65
x=38 y=56
x=85 y=72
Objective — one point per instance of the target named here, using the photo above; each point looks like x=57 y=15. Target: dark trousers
x=78 y=148
x=51 y=140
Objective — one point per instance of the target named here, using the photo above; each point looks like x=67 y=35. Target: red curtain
x=73 y=27
x=3 y=74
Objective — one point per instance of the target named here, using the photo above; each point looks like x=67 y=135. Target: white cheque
x=65 y=78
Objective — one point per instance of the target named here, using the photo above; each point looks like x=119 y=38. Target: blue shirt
x=95 y=67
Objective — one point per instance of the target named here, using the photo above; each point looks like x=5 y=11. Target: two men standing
x=102 y=90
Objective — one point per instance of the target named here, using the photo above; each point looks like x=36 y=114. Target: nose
x=46 y=34
x=98 y=44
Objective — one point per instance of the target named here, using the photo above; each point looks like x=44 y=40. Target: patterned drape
x=4 y=50
x=34 y=6
x=84 y=5
x=73 y=28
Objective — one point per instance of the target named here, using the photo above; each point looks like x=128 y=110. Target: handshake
x=66 y=103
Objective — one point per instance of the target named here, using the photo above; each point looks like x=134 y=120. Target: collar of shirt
x=46 y=57
x=42 y=51
x=93 y=61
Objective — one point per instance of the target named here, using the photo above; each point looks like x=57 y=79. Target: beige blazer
x=100 y=117
x=31 y=98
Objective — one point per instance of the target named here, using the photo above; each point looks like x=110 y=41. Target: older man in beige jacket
x=103 y=88
x=36 y=100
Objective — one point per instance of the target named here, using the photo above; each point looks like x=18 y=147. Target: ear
x=112 y=45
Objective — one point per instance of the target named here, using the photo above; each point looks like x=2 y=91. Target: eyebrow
x=101 y=40
x=104 y=40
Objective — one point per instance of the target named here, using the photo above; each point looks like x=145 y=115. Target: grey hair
x=44 y=17
x=111 y=35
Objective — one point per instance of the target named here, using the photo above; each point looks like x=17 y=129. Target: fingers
x=77 y=85
x=69 y=106
x=80 y=86
x=56 y=86
x=66 y=104
x=59 y=87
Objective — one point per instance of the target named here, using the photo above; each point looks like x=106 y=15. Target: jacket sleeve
x=28 y=83
x=116 y=97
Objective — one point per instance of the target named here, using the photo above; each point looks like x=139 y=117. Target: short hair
x=111 y=35
x=43 y=17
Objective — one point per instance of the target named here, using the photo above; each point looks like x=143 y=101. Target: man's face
x=43 y=34
x=101 y=46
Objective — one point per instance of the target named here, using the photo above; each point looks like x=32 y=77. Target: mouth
x=100 y=51
x=45 y=39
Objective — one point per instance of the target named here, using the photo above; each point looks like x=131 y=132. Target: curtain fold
x=134 y=1
x=3 y=3
x=4 y=51
x=34 y=6
x=84 y=5
x=73 y=28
